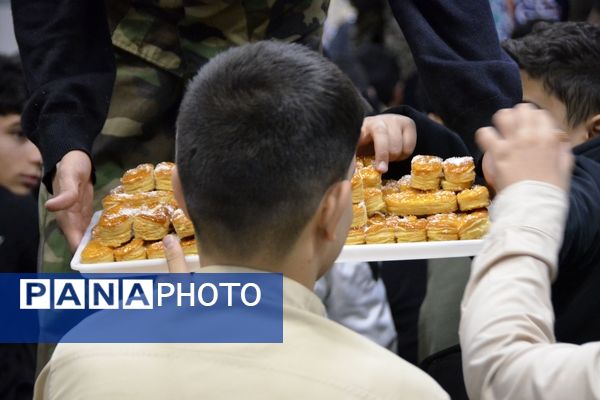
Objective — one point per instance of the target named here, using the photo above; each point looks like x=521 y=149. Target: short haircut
x=12 y=86
x=566 y=57
x=263 y=131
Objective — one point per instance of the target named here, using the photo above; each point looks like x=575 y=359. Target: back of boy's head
x=263 y=131
x=566 y=58
x=12 y=86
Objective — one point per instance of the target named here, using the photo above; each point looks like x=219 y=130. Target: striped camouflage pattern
x=179 y=36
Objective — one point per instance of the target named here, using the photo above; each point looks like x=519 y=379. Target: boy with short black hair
x=560 y=70
x=266 y=137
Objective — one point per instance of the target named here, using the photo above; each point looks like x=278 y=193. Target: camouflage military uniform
x=159 y=45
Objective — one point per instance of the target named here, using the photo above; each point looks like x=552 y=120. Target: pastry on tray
x=138 y=200
x=133 y=250
x=152 y=224
x=114 y=227
x=389 y=187
x=421 y=203
x=443 y=227
x=189 y=246
x=404 y=184
x=162 y=176
x=474 y=225
x=370 y=177
x=459 y=173
x=359 y=215
x=357 y=188
x=374 y=200
x=356 y=236
x=183 y=226
x=471 y=199
x=139 y=179
x=380 y=232
x=411 y=229
x=95 y=252
x=426 y=172
x=155 y=250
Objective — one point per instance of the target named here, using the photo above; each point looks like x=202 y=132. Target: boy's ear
x=178 y=191
x=333 y=207
x=593 y=126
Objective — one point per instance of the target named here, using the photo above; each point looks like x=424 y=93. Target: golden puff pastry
x=162 y=176
x=370 y=176
x=95 y=252
x=421 y=203
x=155 y=250
x=357 y=188
x=356 y=236
x=443 y=227
x=183 y=226
x=459 y=173
x=138 y=200
x=471 y=199
x=380 y=233
x=390 y=187
x=189 y=246
x=133 y=250
x=405 y=185
x=377 y=218
x=367 y=161
x=474 y=225
x=411 y=229
x=426 y=172
x=152 y=224
x=114 y=228
x=359 y=215
x=139 y=179
x=374 y=201
x=95 y=231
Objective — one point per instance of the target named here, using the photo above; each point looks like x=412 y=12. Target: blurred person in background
x=20 y=172
x=560 y=71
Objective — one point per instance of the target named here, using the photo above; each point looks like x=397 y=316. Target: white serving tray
x=366 y=252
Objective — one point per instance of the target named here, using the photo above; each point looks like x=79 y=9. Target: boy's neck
x=296 y=265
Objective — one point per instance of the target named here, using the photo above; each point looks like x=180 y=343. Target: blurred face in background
x=535 y=92
x=20 y=159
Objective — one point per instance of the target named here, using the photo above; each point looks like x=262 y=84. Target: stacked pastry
x=136 y=216
x=436 y=202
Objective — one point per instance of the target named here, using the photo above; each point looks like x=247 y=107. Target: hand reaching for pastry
x=174 y=255
x=392 y=137
x=73 y=196
x=525 y=145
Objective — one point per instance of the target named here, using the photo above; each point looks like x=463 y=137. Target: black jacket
x=69 y=69
x=466 y=74
x=576 y=292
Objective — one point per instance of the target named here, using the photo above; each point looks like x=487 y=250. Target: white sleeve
x=506 y=329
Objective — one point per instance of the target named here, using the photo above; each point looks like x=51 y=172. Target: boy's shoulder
x=348 y=359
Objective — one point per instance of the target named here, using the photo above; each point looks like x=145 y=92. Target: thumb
x=174 y=254
x=65 y=198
